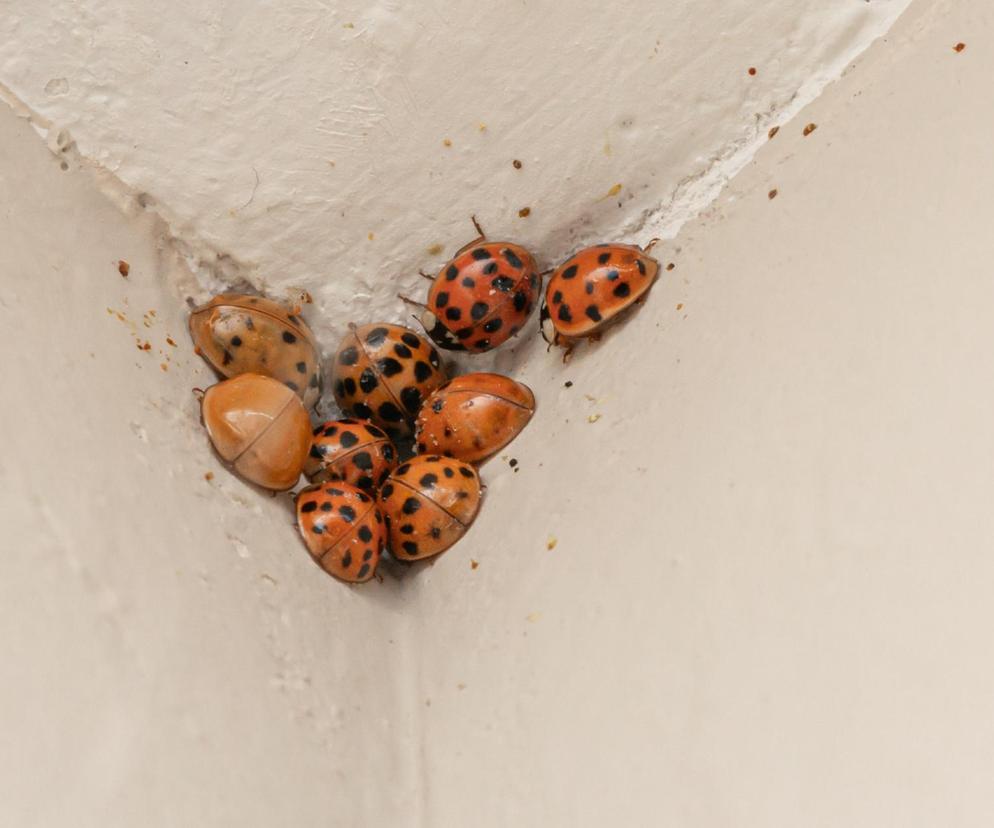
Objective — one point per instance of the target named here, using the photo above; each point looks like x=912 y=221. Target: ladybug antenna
x=411 y=301
x=479 y=229
x=429 y=277
x=652 y=243
x=198 y=393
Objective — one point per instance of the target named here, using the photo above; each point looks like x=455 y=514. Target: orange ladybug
x=382 y=373
x=239 y=334
x=428 y=503
x=355 y=452
x=592 y=287
x=474 y=416
x=260 y=427
x=482 y=297
x=342 y=529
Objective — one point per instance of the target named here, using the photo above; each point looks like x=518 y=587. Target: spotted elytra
x=481 y=297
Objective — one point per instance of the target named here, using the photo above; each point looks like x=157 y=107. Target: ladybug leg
x=652 y=243
x=479 y=229
x=412 y=302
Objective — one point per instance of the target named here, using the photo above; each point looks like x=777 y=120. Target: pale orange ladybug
x=353 y=451
x=474 y=416
x=382 y=373
x=428 y=503
x=342 y=529
x=592 y=287
x=239 y=334
x=259 y=427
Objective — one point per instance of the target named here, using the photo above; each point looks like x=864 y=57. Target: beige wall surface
x=767 y=602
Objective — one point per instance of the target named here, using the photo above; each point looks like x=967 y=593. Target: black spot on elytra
x=348 y=385
x=365 y=483
x=557 y=297
x=291 y=385
x=327 y=506
x=347 y=513
x=411 y=505
x=317 y=452
x=622 y=290
x=314 y=381
x=593 y=313
x=362 y=410
x=317 y=529
x=347 y=560
x=493 y=325
x=289 y=338
x=520 y=301
x=422 y=370
x=376 y=336
x=464 y=333
x=389 y=366
x=376 y=432
x=454 y=314
x=564 y=313
x=436 y=533
x=389 y=412
x=410 y=547
x=429 y=480
x=481 y=344
x=612 y=275
x=386 y=491
x=465 y=472
x=226 y=357
x=309 y=506
x=411 y=340
x=365 y=534
x=503 y=284
x=589 y=287
x=236 y=341
x=604 y=258
x=363 y=460
x=402 y=351
x=481 y=253
x=433 y=358
x=369 y=552
x=249 y=323
x=479 y=310
x=442 y=299
x=363 y=571
x=387 y=451
x=468 y=282
x=451 y=273
x=490 y=268
x=368 y=380
x=407 y=529
x=330 y=431
x=447 y=471
x=411 y=399
x=302 y=367
x=335 y=492
x=512 y=259
x=349 y=356
x=569 y=272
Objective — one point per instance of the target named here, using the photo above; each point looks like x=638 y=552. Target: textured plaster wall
x=741 y=575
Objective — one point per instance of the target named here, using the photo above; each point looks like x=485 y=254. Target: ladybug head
x=439 y=334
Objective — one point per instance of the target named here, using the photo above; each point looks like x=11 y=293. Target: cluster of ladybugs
x=391 y=384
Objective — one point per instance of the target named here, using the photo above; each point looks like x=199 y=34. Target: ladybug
x=474 y=416
x=342 y=529
x=482 y=297
x=239 y=334
x=592 y=287
x=355 y=452
x=260 y=427
x=382 y=373
x=428 y=503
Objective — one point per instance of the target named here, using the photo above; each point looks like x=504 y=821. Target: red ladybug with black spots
x=482 y=297
x=593 y=286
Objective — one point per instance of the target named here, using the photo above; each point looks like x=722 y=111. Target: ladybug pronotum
x=482 y=296
x=353 y=451
x=259 y=427
x=382 y=373
x=428 y=504
x=240 y=334
x=474 y=416
x=592 y=287
x=342 y=529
